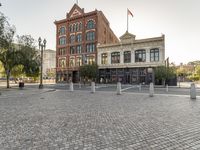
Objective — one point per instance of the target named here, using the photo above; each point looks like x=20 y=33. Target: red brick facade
x=77 y=37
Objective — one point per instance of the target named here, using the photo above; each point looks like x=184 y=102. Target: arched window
x=62 y=41
x=72 y=62
x=79 y=61
x=140 y=55
x=90 y=36
x=80 y=26
x=77 y=27
x=62 y=31
x=115 y=57
x=71 y=28
x=104 y=58
x=79 y=38
x=72 y=39
x=74 y=27
x=127 y=56
x=154 y=54
x=90 y=24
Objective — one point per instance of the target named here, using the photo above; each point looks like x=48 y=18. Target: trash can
x=21 y=85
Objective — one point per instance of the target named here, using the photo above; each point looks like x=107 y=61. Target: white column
x=132 y=56
x=147 y=55
x=122 y=57
x=99 y=59
x=109 y=58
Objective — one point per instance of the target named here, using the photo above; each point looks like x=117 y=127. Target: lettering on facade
x=75 y=13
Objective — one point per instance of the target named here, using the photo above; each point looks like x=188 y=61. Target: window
x=79 y=37
x=62 y=41
x=90 y=48
x=72 y=38
x=115 y=57
x=90 y=60
x=71 y=62
x=62 y=31
x=71 y=28
x=62 y=51
x=140 y=55
x=104 y=58
x=72 y=50
x=127 y=56
x=77 y=27
x=90 y=24
x=62 y=63
x=154 y=54
x=79 y=61
x=78 y=49
x=80 y=26
x=90 y=36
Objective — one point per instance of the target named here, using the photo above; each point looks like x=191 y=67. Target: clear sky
x=179 y=20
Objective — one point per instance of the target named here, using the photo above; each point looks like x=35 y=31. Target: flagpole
x=127 y=19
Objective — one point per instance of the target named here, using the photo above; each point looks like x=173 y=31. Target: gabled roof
x=75 y=11
x=127 y=37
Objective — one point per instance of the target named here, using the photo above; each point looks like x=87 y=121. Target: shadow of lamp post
x=41 y=47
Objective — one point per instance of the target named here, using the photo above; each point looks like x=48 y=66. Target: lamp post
x=41 y=47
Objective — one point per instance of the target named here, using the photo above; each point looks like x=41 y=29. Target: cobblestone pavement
x=101 y=121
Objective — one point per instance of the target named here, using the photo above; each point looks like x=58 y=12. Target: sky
x=179 y=20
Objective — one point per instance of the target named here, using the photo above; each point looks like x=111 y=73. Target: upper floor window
x=80 y=26
x=154 y=54
x=79 y=61
x=90 y=60
x=62 y=41
x=140 y=55
x=62 y=31
x=78 y=49
x=127 y=56
x=77 y=27
x=62 y=63
x=62 y=51
x=72 y=38
x=72 y=62
x=79 y=37
x=115 y=57
x=90 y=48
x=71 y=28
x=90 y=24
x=104 y=58
x=72 y=50
x=90 y=36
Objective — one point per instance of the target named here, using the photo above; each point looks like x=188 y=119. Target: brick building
x=77 y=37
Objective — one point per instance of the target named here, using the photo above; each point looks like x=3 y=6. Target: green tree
x=163 y=73
x=89 y=71
x=197 y=71
x=12 y=55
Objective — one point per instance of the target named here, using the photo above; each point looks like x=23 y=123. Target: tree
x=163 y=73
x=12 y=55
x=197 y=71
x=89 y=71
x=7 y=51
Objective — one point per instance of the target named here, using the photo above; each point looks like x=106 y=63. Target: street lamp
x=41 y=47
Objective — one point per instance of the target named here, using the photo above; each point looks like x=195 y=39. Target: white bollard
x=140 y=87
x=167 y=88
x=151 y=90
x=92 y=87
x=71 y=86
x=119 y=89
x=192 y=91
x=79 y=84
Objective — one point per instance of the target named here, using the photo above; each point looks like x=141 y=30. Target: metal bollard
x=119 y=90
x=79 y=85
x=192 y=91
x=140 y=87
x=167 y=88
x=151 y=90
x=92 y=87
x=71 y=87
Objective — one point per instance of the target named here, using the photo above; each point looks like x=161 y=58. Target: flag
x=129 y=12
